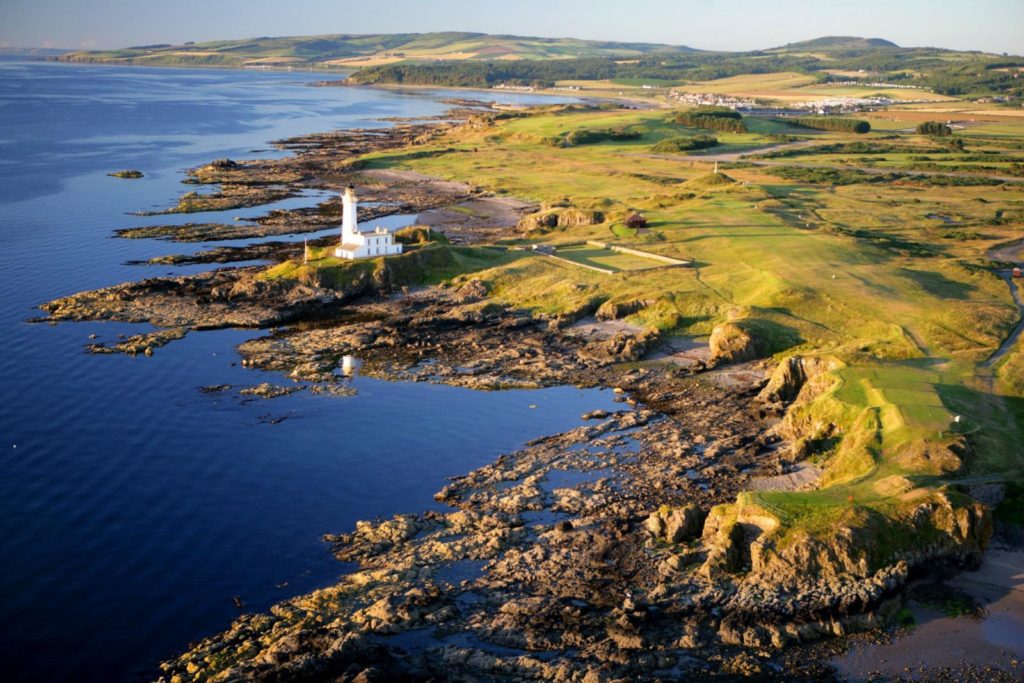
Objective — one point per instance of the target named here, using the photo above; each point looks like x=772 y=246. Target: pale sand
x=939 y=641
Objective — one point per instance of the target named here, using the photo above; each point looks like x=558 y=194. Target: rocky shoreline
x=603 y=542
x=614 y=551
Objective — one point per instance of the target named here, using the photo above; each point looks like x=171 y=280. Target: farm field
x=752 y=85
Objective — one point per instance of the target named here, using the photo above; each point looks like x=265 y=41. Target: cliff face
x=799 y=378
x=799 y=586
x=820 y=563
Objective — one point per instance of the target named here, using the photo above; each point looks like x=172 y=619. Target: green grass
x=606 y=258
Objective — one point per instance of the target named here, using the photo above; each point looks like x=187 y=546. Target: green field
x=606 y=258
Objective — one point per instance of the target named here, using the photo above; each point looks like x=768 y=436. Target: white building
x=356 y=244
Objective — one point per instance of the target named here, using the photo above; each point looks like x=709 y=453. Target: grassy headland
x=888 y=280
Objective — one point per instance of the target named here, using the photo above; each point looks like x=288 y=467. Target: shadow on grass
x=993 y=425
x=938 y=284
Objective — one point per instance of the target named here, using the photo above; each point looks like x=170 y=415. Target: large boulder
x=675 y=525
x=624 y=347
x=733 y=342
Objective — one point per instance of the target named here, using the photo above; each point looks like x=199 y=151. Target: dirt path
x=1009 y=252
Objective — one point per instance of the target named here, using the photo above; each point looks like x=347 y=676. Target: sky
x=988 y=25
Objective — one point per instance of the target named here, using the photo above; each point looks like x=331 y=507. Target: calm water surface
x=132 y=506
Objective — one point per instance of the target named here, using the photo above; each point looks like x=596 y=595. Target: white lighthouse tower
x=355 y=244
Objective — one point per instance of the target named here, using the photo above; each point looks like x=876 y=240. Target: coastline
x=505 y=566
x=394 y=87
x=583 y=97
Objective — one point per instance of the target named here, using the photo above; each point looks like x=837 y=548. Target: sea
x=135 y=509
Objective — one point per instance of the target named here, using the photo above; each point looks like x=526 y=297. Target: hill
x=831 y=43
x=482 y=60
x=31 y=52
x=354 y=51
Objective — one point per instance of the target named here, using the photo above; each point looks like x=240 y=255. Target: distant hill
x=354 y=51
x=481 y=60
x=831 y=43
x=37 y=52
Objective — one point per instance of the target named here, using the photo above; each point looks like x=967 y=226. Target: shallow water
x=135 y=507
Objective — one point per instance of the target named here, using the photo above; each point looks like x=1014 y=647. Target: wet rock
x=268 y=390
x=130 y=173
x=139 y=343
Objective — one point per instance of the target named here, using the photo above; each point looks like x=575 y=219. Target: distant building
x=356 y=244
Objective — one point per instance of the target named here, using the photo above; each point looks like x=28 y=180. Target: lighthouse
x=349 y=221
x=355 y=244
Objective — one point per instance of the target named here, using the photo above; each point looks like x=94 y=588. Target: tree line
x=712 y=118
x=684 y=144
x=833 y=123
x=926 y=67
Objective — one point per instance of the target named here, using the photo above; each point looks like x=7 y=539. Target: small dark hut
x=636 y=221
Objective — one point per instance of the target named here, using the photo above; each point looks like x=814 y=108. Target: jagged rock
x=623 y=347
x=616 y=310
x=573 y=217
x=472 y=291
x=538 y=221
x=676 y=525
x=792 y=375
x=268 y=390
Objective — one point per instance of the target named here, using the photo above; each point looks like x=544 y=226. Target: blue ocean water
x=133 y=507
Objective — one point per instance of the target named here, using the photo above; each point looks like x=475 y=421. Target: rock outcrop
x=676 y=525
x=732 y=342
x=798 y=377
x=616 y=310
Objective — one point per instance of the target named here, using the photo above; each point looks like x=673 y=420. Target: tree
x=933 y=128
